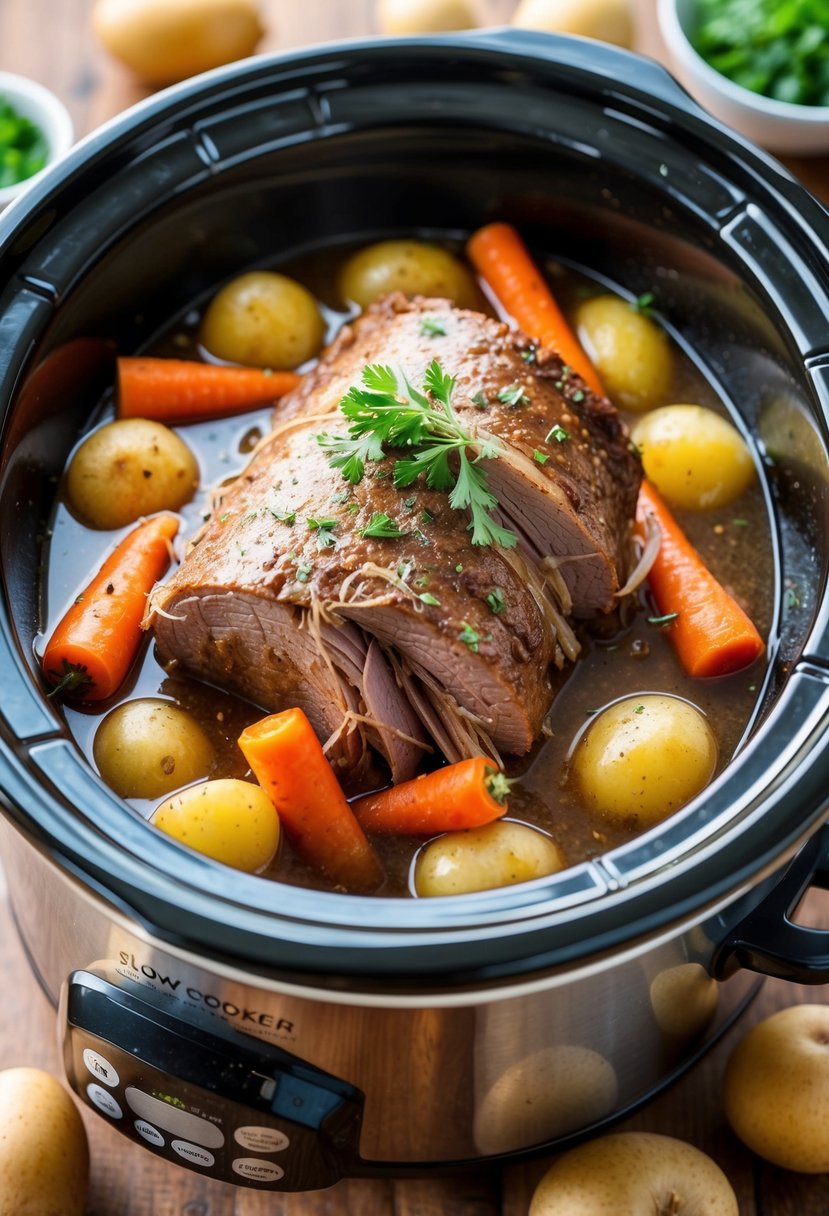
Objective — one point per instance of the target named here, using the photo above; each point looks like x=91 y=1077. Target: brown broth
x=629 y=656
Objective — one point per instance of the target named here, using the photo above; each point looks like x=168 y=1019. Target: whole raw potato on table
x=634 y=1174
x=44 y=1156
x=776 y=1088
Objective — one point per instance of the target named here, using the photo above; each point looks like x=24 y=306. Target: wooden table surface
x=51 y=41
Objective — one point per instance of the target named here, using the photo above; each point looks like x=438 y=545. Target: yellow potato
x=604 y=20
x=44 y=1155
x=631 y=1174
x=631 y=354
x=684 y=999
x=232 y=821
x=413 y=267
x=127 y=469
x=163 y=41
x=397 y=17
x=776 y=1089
x=148 y=747
x=695 y=458
x=263 y=319
x=497 y=855
x=643 y=758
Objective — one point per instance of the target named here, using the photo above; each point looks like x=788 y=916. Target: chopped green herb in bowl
x=23 y=147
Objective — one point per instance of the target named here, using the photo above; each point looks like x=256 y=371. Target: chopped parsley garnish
x=382 y=526
x=469 y=637
x=539 y=457
x=480 y=401
x=640 y=709
x=644 y=304
x=428 y=598
x=324 y=529
x=426 y=518
x=431 y=327
x=577 y=396
x=284 y=517
x=496 y=601
x=341 y=496
x=513 y=394
x=23 y=146
x=529 y=355
x=387 y=412
x=557 y=433
x=303 y=571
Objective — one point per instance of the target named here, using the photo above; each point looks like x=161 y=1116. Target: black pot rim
x=744 y=825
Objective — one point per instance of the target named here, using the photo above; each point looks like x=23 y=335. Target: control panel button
x=193 y=1153
x=256 y=1170
x=173 y=1119
x=149 y=1133
x=261 y=1139
x=100 y=1068
x=104 y=1100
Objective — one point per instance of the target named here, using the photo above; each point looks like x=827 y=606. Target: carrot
x=183 y=390
x=464 y=795
x=712 y=634
x=96 y=641
x=290 y=765
x=504 y=262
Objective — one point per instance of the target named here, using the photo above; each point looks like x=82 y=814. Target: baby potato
x=148 y=747
x=263 y=319
x=643 y=758
x=493 y=856
x=127 y=469
x=232 y=821
x=44 y=1154
x=413 y=267
x=631 y=354
x=605 y=20
x=694 y=457
x=163 y=42
x=398 y=17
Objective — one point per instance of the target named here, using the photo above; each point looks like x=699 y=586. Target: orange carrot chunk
x=502 y=259
x=183 y=390
x=464 y=795
x=95 y=643
x=712 y=634
x=288 y=762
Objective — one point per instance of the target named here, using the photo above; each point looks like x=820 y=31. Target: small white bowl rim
x=49 y=112
x=678 y=41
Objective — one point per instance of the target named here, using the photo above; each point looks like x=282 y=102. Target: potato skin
x=127 y=469
x=694 y=457
x=643 y=758
x=232 y=821
x=148 y=747
x=497 y=855
x=631 y=354
x=263 y=319
x=396 y=17
x=635 y=1173
x=44 y=1154
x=163 y=42
x=413 y=267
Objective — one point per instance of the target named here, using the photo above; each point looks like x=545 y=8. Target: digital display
x=173 y=1101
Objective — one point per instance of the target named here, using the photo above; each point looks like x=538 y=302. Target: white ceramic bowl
x=780 y=126
x=36 y=103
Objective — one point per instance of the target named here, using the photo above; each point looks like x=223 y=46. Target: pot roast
x=417 y=640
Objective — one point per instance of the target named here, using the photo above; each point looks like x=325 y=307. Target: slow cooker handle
x=768 y=940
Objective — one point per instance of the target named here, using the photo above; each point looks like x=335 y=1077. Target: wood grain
x=50 y=40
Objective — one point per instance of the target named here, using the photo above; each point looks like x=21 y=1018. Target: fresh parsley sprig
x=386 y=411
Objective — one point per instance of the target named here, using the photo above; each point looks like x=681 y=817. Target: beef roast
x=397 y=643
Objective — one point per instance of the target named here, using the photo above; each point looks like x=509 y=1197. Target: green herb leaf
x=284 y=517
x=539 y=457
x=428 y=598
x=496 y=601
x=431 y=327
x=324 y=529
x=662 y=621
x=644 y=304
x=303 y=571
x=469 y=637
x=557 y=433
x=382 y=526
x=513 y=394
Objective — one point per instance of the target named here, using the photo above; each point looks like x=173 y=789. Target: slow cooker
x=282 y=1038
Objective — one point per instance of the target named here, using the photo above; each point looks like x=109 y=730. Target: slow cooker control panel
x=223 y=1103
